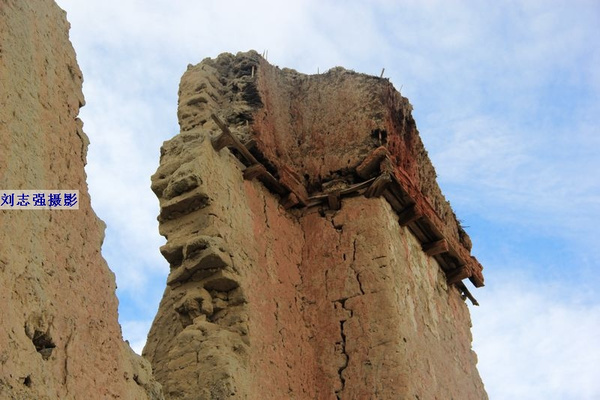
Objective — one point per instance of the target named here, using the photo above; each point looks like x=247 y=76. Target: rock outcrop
x=318 y=259
x=59 y=334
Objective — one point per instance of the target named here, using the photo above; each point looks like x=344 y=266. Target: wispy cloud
x=537 y=340
x=136 y=332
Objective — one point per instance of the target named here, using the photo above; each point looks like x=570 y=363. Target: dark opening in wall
x=380 y=136
x=43 y=343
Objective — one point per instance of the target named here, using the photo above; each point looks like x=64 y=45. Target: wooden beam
x=379 y=185
x=290 y=201
x=333 y=200
x=370 y=164
x=292 y=182
x=272 y=184
x=254 y=171
x=435 y=248
x=229 y=139
x=221 y=141
x=408 y=215
x=458 y=274
x=461 y=286
x=250 y=144
x=476 y=277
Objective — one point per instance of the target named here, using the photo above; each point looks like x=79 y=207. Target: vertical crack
x=264 y=196
x=66 y=363
x=343 y=351
x=300 y=266
x=352 y=266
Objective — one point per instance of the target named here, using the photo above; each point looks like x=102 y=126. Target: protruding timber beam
x=435 y=248
x=379 y=185
x=254 y=171
x=466 y=294
x=292 y=182
x=370 y=164
x=476 y=277
x=227 y=139
x=333 y=200
x=409 y=214
x=290 y=201
x=273 y=184
x=250 y=144
x=458 y=274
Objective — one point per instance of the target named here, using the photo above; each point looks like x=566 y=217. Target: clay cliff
x=59 y=334
x=312 y=253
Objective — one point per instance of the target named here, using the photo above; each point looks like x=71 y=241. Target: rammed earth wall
x=59 y=334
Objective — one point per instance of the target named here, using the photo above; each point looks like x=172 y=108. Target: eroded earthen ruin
x=312 y=253
x=59 y=334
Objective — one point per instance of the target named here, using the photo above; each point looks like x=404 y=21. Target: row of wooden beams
x=382 y=178
x=416 y=212
x=317 y=199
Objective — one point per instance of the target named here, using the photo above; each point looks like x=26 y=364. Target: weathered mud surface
x=59 y=334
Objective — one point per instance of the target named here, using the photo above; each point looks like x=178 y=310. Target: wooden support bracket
x=476 y=277
x=292 y=182
x=437 y=247
x=254 y=171
x=370 y=164
x=458 y=274
x=250 y=144
x=228 y=139
x=273 y=184
x=465 y=293
x=333 y=200
x=290 y=201
x=408 y=215
x=379 y=185
x=221 y=141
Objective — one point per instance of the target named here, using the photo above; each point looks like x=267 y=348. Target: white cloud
x=537 y=339
x=136 y=331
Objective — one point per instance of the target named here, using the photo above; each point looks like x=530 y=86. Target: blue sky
x=506 y=96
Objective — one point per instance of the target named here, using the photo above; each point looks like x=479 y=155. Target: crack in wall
x=264 y=196
x=66 y=364
x=346 y=356
x=352 y=266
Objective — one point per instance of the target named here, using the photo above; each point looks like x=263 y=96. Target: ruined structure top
x=283 y=132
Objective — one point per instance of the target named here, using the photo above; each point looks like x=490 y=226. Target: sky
x=506 y=96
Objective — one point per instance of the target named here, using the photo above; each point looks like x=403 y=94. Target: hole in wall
x=380 y=136
x=43 y=343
